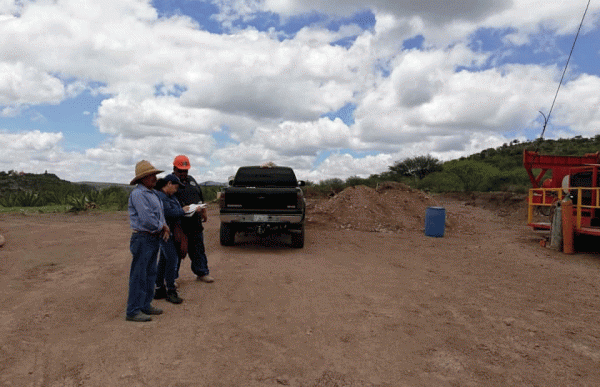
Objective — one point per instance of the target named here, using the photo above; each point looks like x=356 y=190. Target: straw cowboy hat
x=143 y=169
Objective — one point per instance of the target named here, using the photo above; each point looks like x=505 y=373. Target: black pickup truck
x=263 y=200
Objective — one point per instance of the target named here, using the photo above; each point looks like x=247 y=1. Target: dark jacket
x=173 y=210
x=190 y=193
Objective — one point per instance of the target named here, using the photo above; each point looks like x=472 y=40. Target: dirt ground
x=369 y=301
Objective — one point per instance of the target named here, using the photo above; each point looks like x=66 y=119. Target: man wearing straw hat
x=147 y=220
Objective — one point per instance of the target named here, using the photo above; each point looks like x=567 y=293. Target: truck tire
x=227 y=235
x=298 y=238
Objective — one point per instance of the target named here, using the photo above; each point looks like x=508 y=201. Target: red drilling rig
x=572 y=177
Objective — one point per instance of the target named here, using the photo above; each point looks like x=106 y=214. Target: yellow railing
x=550 y=195
x=594 y=193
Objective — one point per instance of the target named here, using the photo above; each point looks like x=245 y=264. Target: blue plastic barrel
x=435 y=221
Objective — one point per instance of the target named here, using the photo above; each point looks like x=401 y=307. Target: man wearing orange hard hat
x=190 y=193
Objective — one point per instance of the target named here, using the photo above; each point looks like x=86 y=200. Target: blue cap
x=164 y=180
x=173 y=179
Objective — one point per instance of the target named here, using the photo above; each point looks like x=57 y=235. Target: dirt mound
x=391 y=207
x=511 y=206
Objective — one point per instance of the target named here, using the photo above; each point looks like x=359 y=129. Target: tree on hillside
x=474 y=175
x=419 y=166
x=441 y=182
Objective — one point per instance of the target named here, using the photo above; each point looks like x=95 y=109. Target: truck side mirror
x=301 y=183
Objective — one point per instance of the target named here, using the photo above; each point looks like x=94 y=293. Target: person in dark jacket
x=168 y=261
x=190 y=193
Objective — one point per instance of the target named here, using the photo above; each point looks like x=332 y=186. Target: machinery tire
x=298 y=238
x=227 y=235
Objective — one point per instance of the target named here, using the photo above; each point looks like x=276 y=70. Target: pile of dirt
x=509 y=205
x=396 y=207
x=391 y=207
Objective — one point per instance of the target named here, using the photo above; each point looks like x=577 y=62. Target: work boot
x=139 y=317
x=173 y=297
x=160 y=293
x=152 y=310
x=206 y=278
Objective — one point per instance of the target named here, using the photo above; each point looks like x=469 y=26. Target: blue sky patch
x=263 y=21
x=345 y=42
x=544 y=49
x=365 y=20
x=74 y=118
x=223 y=138
x=489 y=39
x=175 y=90
x=345 y=113
x=203 y=13
x=200 y=11
x=382 y=67
x=413 y=43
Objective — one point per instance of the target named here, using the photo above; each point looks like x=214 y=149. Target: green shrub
x=30 y=199
x=419 y=166
x=354 y=181
x=78 y=203
x=115 y=196
x=440 y=182
x=22 y=199
x=209 y=192
x=56 y=197
x=474 y=175
x=8 y=200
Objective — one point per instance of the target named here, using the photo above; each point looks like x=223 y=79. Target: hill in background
x=13 y=182
x=507 y=159
x=100 y=186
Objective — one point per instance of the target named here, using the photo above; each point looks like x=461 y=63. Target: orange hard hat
x=181 y=162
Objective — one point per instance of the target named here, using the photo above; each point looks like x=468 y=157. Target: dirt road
x=483 y=306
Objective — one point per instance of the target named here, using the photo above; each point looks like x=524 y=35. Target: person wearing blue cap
x=169 y=259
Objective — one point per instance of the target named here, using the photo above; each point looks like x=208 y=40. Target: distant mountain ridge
x=30 y=182
x=11 y=182
x=213 y=184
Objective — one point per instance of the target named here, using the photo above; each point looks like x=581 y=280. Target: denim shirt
x=145 y=210
x=173 y=210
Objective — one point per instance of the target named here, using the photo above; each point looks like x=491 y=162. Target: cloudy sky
x=333 y=88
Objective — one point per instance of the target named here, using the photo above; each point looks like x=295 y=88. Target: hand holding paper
x=193 y=207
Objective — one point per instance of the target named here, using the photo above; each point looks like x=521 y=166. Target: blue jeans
x=142 y=276
x=168 y=263
x=196 y=252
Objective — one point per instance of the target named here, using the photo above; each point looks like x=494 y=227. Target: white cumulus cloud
x=246 y=96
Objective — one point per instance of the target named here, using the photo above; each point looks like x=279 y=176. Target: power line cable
x=547 y=118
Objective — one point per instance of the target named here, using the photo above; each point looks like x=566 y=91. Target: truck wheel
x=298 y=238
x=227 y=235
